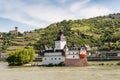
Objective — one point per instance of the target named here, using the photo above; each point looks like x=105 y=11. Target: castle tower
x=16 y=28
x=60 y=41
x=16 y=31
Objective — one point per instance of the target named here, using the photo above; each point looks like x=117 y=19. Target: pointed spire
x=61 y=36
x=61 y=32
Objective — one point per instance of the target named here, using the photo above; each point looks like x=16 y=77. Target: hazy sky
x=34 y=14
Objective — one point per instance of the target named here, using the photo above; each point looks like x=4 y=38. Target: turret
x=60 y=41
x=61 y=36
x=16 y=31
x=16 y=28
x=83 y=53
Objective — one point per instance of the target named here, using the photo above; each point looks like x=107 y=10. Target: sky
x=34 y=14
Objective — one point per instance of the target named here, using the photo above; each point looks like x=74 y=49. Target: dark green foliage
x=50 y=65
x=20 y=57
x=20 y=34
x=118 y=63
x=94 y=32
x=60 y=64
x=102 y=64
x=26 y=38
x=5 y=42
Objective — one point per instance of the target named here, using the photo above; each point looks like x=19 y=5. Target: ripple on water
x=59 y=73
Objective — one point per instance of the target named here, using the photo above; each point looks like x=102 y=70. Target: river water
x=59 y=73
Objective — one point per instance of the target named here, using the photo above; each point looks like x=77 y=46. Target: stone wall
x=76 y=62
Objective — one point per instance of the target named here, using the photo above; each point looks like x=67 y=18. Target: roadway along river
x=59 y=73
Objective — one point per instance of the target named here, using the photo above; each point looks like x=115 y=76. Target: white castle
x=73 y=57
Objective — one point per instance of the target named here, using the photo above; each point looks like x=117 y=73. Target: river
x=59 y=73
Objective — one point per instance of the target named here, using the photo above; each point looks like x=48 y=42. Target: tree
x=5 y=42
x=20 y=57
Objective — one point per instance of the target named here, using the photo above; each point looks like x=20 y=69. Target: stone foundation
x=76 y=62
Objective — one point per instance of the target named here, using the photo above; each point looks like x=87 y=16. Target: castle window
x=45 y=58
x=59 y=58
x=55 y=58
x=51 y=58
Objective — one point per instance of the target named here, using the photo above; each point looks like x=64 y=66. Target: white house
x=54 y=57
x=57 y=55
x=61 y=53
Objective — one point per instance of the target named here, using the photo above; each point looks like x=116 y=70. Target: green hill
x=11 y=42
x=94 y=32
x=102 y=31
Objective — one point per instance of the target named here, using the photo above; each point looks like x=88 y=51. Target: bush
x=61 y=64
x=101 y=64
x=107 y=64
x=112 y=64
x=118 y=63
x=20 y=57
x=50 y=65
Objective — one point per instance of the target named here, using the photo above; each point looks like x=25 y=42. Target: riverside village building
x=70 y=57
